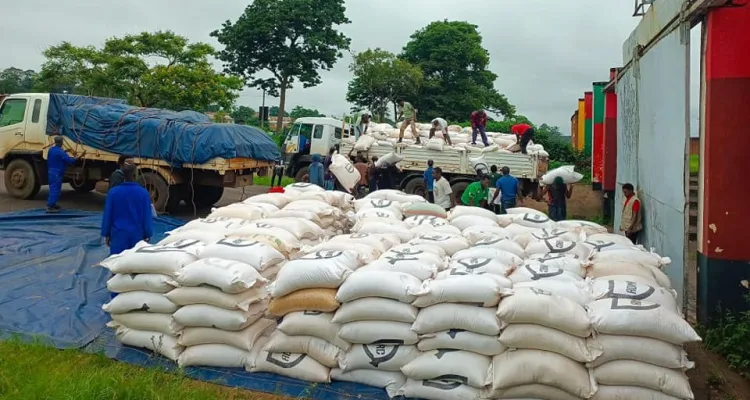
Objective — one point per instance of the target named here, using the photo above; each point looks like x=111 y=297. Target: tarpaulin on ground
x=185 y=137
x=51 y=290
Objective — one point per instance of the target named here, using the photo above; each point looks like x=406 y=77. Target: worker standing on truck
x=127 y=214
x=559 y=193
x=440 y=124
x=476 y=193
x=409 y=113
x=57 y=161
x=524 y=133
x=509 y=190
x=443 y=192
x=479 y=125
x=429 y=181
x=360 y=127
x=631 y=223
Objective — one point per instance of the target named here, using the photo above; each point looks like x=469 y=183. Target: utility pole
x=263 y=109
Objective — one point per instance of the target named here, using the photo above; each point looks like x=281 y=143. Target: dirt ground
x=583 y=204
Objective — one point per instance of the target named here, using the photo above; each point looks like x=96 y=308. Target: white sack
x=458 y=339
x=364 y=143
x=646 y=350
x=435 y=144
x=524 y=210
x=429 y=220
x=313 y=323
x=344 y=171
x=567 y=262
x=383 y=356
x=238 y=210
x=214 y=225
x=297 y=214
x=390 y=285
x=244 y=339
x=371 y=332
x=322 y=351
x=375 y=309
x=467 y=221
x=596 y=246
x=158 y=342
x=472 y=289
x=630 y=392
x=309 y=273
x=282 y=239
x=479 y=164
x=557 y=246
x=477 y=233
x=536 y=337
x=205 y=316
x=544 y=234
x=416 y=250
x=578 y=226
x=633 y=256
x=251 y=252
x=567 y=172
x=534 y=306
x=446 y=316
x=365 y=252
x=203 y=236
x=154 y=259
x=382 y=226
x=292 y=365
x=606 y=269
x=501 y=243
x=414 y=267
x=639 y=318
x=579 y=292
x=302 y=187
x=450 y=243
x=534 y=391
x=634 y=373
x=460 y=211
x=476 y=266
x=214 y=355
x=227 y=275
x=471 y=368
x=155 y=283
x=381 y=242
x=610 y=237
x=622 y=289
x=488 y=252
x=390 y=381
x=264 y=207
x=185 y=296
x=532 y=271
x=388 y=159
x=438 y=390
x=300 y=228
x=395 y=195
x=279 y=200
x=150 y=322
x=139 y=301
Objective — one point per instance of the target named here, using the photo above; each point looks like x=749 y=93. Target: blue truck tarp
x=52 y=290
x=184 y=137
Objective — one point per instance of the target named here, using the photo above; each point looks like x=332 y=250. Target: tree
x=379 y=78
x=158 y=69
x=301 y=112
x=220 y=117
x=243 y=114
x=15 y=80
x=273 y=111
x=456 y=78
x=291 y=39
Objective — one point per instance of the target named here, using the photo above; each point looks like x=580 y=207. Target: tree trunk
x=395 y=112
x=282 y=103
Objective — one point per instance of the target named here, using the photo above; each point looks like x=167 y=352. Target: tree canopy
x=301 y=112
x=456 y=78
x=158 y=69
x=15 y=80
x=243 y=114
x=290 y=39
x=273 y=111
x=379 y=78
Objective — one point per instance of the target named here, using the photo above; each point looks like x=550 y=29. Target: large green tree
x=301 y=112
x=243 y=114
x=15 y=80
x=379 y=78
x=456 y=78
x=290 y=39
x=158 y=69
x=273 y=111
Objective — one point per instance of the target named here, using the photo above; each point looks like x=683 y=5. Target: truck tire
x=20 y=179
x=302 y=175
x=416 y=186
x=163 y=196
x=83 y=186
x=205 y=196
x=458 y=189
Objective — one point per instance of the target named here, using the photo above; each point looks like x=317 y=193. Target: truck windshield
x=302 y=130
x=12 y=112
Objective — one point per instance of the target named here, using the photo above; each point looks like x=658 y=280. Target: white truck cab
x=308 y=136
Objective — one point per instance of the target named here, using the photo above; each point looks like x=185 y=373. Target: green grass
x=694 y=164
x=35 y=371
x=266 y=180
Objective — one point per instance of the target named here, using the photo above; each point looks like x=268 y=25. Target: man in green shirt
x=407 y=111
x=476 y=194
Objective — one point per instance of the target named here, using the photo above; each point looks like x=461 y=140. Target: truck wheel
x=416 y=186
x=206 y=196
x=163 y=196
x=302 y=175
x=20 y=180
x=458 y=189
x=83 y=186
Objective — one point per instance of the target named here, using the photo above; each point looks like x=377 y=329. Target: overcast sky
x=546 y=53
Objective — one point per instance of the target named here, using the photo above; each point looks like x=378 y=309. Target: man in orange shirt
x=524 y=133
x=631 y=223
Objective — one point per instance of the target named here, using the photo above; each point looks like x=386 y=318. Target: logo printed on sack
x=547 y=234
x=433 y=238
x=553 y=256
x=381 y=203
x=488 y=241
x=598 y=245
x=322 y=255
x=301 y=185
x=446 y=382
x=536 y=218
x=454 y=332
x=214 y=220
x=237 y=242
x=631 y=304
x=312 y=312
x=474 y=262
x=263 y=225
x=178 y=246
x=394 y=260
x=441 y=352
x=284 y=360
x=559 y=246
x=348 y=167
x=359 y=235
x=540 y=292
x=543 y=271
x=456 y=271
x=382 y=350
x=630 y=291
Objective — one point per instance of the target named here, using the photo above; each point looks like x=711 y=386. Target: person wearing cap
x=57 y=161
x=442 y=126
x=476 y=193
x=509 y=191
x=360 y=127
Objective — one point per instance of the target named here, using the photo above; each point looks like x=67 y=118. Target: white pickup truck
x=24 y=143
x=320 y=134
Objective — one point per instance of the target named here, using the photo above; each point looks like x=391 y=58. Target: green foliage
x=14 y=80
x=379 y=78
x=729 y=338
x=244 y=114
x=456 y=78
x=301 y=112
x=273 y=111
x=290 y=39
x=182 y=79
x=220 y=117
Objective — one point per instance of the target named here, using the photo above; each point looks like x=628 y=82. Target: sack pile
x=389 y=292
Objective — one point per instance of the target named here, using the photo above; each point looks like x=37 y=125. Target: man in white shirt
x=442 y=190
x=360 y=127
x=440 y=124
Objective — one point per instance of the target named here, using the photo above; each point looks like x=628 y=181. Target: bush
x=729 y=338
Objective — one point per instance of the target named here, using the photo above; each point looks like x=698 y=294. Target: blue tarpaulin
x=185 y=137
x=51 y=289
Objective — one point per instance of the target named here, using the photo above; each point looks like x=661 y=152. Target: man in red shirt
x=631 y=222
x=478 y=123
x=524 y=133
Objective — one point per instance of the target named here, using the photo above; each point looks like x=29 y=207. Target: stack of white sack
x=306 y=346
x=382 y=217
x=223 y=301
x=640 y=327
x=141 y=313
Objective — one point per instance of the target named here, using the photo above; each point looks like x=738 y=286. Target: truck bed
x=457 y=162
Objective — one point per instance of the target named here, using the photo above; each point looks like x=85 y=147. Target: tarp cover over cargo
x=185 y=137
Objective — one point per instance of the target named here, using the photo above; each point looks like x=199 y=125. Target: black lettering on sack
x=433 y=238
x=237 y=242
x=285 y=360
x=407 y=252
x=263 y=225
x=454 y=332
x=312 y=312
x=439 y=353
x=349 y=168
x=559 y=246
x=132 y=276
x=489 y=241
x=631 y=304
x=381 y=203
x=631 y=291
x=394 y=260
x=598 y=245
x=543 y=271
x=382 y=350
x=474 y=263
x=214 y=220
x=446 y=382
x=536 y=218
x=301 y=185
x=540 y=292
x=174 y=247
x=322 y=255
x=359 y=235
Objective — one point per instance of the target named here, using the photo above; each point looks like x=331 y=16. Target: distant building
x=227 y=118
x=286 y=121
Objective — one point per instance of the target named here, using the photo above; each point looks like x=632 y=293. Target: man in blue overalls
x=57 y=161
x=127 y=214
